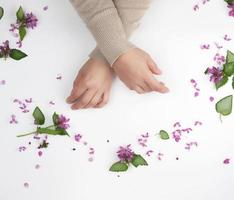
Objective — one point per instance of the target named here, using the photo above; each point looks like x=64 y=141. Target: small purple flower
x=226 y=161
x=176 y=136
x=78 y=137
x=63 y=122
x=125 y=153
x=219 y=59
x=216 y=74
x=5 y=49
x=231 y=12
x=30 y=20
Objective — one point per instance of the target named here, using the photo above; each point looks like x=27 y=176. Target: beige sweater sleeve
x=130 y=13
x=103 y=21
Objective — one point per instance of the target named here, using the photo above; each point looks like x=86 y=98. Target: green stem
x=33 y=132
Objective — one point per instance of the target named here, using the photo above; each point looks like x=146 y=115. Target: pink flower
x=13 y=120
x=219 y=59
x=226 y=161
x=39 y=153
x=22 y=148
x=211 y=99
x=205 y=46
x=216 y=74
x=148 y=153
x=2 y=82
x=176 y=136
x=78 y=137
x=231 y=12
x=125 y=153
x=5 y=49
x=45 y=8
x=31 y=20
x=62 y=122
x=227 y=38
x=26 y=185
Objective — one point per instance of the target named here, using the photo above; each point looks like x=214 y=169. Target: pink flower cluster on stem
x=215 y=73
x=231 y=12
x=125 y=153
x=63 y=122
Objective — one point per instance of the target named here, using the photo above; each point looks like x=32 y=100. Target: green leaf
x=164 y=135
x=55 y=118
x=228 y=68
x=62 y=131
x=51 y=131
x=229 y=1
x=20 y=14
x=17 y=54
x=22 y=32
x=138 y=160
x=206 y=72
x=222 y=82
x=38 y=116
x=1 y=12
x=233 y=82
x=224 y=106
x=230 y=57
x=119 y=167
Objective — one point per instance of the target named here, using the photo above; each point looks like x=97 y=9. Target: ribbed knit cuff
x=106 y=27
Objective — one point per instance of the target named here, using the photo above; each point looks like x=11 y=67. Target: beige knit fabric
x=111 y=22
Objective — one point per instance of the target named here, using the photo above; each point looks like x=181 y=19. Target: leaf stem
x=220 y=117
x=31 y=133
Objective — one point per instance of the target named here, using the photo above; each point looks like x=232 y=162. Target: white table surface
x=172 y=33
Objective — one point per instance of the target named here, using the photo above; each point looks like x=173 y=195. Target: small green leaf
x=20 y=14
x=55 y=118
x=138 y=160
x=1 y=12
x=224 y=106
x=206 y=72
x=51 y=131
x=119 y=167
x=228 y=68
x=62 y=131
x=164 y=135
x=17 y=54
x=229 y=1
x=38 y=116
x=222 y=82
x=233 y=82
x=230 y=57
x=22 y=32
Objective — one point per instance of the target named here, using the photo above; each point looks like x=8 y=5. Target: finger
x=139 y=89
x=145 y=87
x=84 y=99
x=155 y=85
x=153 y=67
x=76 y=92
x=104 y=100
x=95 y=100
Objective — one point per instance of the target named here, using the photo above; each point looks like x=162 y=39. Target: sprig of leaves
x=39 y=119
x=122 y=166
x=1 y=12
x=228 y=70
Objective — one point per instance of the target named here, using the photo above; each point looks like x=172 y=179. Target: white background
x=172 y=33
